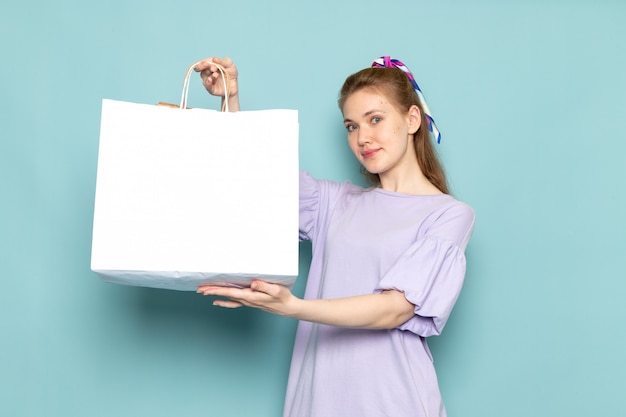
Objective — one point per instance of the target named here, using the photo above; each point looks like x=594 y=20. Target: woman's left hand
x=273 y=298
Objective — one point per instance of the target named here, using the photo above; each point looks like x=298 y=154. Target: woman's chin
x=372 y=169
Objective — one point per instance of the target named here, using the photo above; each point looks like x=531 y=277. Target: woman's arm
x=386 y=310
x=212 y=79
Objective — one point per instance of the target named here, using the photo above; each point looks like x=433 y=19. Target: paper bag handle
x=225 y=80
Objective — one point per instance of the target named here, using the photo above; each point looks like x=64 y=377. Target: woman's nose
x=364 y=136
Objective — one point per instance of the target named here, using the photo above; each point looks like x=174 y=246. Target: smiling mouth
x=369 y=153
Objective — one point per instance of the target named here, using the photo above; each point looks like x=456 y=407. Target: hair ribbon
x=387 y=62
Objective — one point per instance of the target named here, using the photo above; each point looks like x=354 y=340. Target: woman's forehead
x=365 y=101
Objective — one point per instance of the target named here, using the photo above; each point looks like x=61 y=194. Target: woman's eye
x=350 y=128
x=376 y=120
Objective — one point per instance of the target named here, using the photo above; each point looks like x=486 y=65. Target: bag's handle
x=225 y=80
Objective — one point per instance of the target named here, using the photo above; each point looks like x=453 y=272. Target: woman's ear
x=414 y=119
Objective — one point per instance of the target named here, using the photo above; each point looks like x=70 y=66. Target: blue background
x=531 y=101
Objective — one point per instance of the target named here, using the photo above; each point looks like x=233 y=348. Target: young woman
x=387 y=263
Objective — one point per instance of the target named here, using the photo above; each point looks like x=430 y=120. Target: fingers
x=239 y=296
x=206 y=63
x=233 y=295
x=207 y=70
x=242 y=296
x=209 y=77
x=227 y=303
x=212 y=76
x=265 y=287
x=226 y=62
x=231 y=292
x=273 y=298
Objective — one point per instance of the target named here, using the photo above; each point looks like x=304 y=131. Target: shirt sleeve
x=318 y=199
x=309 y=204
x=431 y=271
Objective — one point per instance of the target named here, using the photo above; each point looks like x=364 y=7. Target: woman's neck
x=410 y=181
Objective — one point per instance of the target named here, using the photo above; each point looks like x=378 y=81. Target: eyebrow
x=367 y=113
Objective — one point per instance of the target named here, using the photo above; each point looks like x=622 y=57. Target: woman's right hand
x=212 y=79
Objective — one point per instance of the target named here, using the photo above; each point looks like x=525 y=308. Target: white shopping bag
x=186 y=197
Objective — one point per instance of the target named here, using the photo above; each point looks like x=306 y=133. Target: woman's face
x=380 y=136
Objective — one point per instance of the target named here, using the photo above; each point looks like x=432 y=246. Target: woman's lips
x=369 y=153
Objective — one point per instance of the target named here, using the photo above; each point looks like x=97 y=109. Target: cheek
x=352 y=141
x=354 y=147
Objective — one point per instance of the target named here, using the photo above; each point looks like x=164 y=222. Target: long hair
x=395 y=85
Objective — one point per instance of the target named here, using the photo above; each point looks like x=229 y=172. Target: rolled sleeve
x=431 y=275
x=431 y=272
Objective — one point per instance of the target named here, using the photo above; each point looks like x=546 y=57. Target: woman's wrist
x=233 y=103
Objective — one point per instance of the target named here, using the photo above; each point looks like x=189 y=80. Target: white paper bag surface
x=189 y=197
